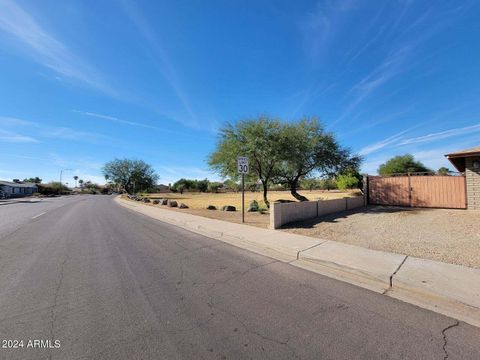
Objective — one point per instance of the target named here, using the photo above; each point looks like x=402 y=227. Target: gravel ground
x=451 y=236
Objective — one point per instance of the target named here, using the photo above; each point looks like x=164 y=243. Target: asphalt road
x=16 y=212
x=108 y=283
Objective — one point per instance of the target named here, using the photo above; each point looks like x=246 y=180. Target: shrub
x=253 y=206
x=214 y=186
x=347 y=181
x=328 y=184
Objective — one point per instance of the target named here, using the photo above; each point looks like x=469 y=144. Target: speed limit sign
x=242 y=165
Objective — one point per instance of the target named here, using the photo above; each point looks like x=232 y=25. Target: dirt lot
x=197 y=203
x=202 y=200
x=451 y=236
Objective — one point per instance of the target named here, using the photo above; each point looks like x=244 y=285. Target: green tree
x=180 y=188
x=444 y=171
x=35 y=180
x=347 y=181
x=53 y=187
x=130 y=174
x=80 y=183
x=232 y=185
x=307 y=148
x=75 y=178
x=259 y=140
x=402 y=164
x=309 y=184
x=202 y=185
x=328 y=183
x=214 y=186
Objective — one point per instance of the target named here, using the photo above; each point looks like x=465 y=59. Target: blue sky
x=83 y=83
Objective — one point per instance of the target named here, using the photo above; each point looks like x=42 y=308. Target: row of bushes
x=341 y=182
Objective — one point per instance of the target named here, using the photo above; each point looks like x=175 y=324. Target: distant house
x=16 y=188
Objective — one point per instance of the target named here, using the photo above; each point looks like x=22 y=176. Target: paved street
x=16 y=212
x=112 y=284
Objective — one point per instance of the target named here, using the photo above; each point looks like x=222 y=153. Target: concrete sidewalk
x=451 y=290
x=19 y=200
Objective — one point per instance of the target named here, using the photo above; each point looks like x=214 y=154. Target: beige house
x=468 y=161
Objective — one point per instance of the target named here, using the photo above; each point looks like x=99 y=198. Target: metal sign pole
x=243 y=197
x=242 y=168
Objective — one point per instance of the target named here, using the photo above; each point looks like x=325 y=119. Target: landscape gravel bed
x=451 y=236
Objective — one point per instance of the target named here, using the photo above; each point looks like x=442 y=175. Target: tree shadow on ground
x=370 y=210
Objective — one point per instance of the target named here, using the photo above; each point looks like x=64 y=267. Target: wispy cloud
x=381 y=144
x=12 y=121
x=53 y=132
x=114 y=119
x=391 y=67
x=322 y=24
x=163 y=60
x=399 y=139
x=65 y=133
x=12 y=137
x=442 y=135
x=135 y=123
x=46 y=48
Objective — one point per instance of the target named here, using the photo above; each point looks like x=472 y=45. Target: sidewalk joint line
x=308 y=248
x=398 y=268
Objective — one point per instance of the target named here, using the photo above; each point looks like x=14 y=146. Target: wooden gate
x=418 y=191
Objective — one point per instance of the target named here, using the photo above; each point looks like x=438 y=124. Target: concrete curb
x=271 y=243
x=451 y=290
x=367 y=268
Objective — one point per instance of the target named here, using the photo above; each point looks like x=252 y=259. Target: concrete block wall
x=284 y=213
x=472 y=177
x=331 y=206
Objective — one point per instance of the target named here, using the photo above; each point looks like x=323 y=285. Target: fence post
x=365 y=189
x=409 y=189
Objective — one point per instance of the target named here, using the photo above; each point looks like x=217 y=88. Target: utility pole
x=61 y=172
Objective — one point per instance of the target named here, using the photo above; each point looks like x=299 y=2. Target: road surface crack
x=253 y=332
x=445 y=341
x=53 y=316
x=239 y=275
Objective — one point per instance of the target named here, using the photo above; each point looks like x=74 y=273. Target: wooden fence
x=418 y=191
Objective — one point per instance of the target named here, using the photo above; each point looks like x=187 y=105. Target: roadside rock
x=155 y=202
x=164 y=201
x=145 y=200
x=172 y=203
x=211 y=207
x=182 y=206
x=229 y=208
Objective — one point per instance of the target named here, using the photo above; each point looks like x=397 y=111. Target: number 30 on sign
x=242 y=165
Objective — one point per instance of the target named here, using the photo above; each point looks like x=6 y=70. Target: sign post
x=242 y=167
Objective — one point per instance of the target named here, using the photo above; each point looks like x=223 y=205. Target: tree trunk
x=265 y=190
x=293 y=191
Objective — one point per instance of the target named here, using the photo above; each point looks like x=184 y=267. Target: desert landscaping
x=446 y=235
x=198 y=202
